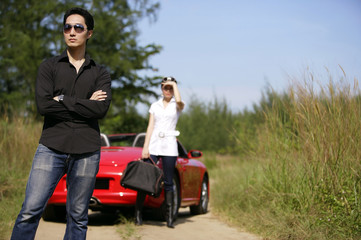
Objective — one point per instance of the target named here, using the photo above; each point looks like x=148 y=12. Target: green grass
x=127 y=230
x=19 y=138
x=303 y=181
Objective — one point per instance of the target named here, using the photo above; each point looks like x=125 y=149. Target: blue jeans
x=47 y=169
x=168 y=163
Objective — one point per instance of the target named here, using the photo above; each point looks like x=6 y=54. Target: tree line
x=31 y=31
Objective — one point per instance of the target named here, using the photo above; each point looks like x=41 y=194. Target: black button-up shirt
x=71 y=125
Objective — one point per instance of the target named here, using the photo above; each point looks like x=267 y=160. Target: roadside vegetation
x=287 y=169
x=18 y=142
x=297 y=173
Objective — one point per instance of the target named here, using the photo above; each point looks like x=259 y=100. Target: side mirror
x=195 y=154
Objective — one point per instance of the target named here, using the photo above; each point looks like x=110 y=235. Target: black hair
x=89 y=21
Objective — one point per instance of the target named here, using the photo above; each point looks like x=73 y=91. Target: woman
x=161 y=143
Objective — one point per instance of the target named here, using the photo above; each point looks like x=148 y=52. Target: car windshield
x=124 y=140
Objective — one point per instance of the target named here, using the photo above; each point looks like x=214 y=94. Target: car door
x=189 y=175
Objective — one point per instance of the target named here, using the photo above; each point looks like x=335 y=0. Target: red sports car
x=191 y=180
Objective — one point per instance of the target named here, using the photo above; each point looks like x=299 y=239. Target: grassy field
x=303 y=180
x=289 y=170
x=19 y=139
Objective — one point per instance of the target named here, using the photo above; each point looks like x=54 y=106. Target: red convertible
x=191 y=180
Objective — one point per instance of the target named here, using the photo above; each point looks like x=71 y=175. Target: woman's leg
x=168 y=163
x=139 y=207
x=168 y=169
x=140 y=200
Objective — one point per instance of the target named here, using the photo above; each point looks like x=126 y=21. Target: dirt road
x=107 y=227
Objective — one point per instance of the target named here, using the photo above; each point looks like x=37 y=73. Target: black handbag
x=143 y=176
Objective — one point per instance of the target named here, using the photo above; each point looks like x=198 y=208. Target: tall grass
x=19 y=138
x=303 y=181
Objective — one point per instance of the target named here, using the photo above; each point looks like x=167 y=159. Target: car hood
x=118 y=156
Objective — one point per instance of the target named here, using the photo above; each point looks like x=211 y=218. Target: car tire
x=54 y=213
x=202 y=206
x=161 y=212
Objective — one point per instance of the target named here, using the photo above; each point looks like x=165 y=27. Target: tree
x=31 y=32
x=28 y=32
x=127 y=58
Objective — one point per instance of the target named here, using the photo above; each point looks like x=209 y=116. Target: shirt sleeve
x=151 y=109
x=90 y=108
x=44 y=94
x=71 y=108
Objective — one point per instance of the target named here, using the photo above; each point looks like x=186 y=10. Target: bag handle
x=150 y=160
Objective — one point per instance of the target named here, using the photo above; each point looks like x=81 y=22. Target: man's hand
x=58 y=98
x=99 y=96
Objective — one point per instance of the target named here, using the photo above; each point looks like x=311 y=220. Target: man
x=72 y=93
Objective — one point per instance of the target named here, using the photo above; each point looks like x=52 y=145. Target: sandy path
x=199 y=227
x=101 y=226
x=104 y=227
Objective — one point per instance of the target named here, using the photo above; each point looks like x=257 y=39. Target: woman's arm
x=177 y=96
x=145 y=151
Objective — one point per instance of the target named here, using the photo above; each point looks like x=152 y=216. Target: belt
x=168 y=134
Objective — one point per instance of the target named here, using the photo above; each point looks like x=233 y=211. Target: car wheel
x=161 y=212
x=54 y=213
x=202 y=207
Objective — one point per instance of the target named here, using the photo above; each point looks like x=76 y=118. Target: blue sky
x=231 y=49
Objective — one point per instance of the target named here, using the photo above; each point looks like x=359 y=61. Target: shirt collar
x=64 y=57
x=160 y=101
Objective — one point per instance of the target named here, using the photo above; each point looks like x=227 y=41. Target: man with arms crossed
x=72 y=93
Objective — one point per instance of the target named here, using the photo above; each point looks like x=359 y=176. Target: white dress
x=163 y=141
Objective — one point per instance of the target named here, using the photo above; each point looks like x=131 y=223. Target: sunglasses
x=169 y=79
x=167 y=88
x=78 y=28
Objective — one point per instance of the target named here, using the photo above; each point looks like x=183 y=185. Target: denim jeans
x=47 y=169
x=168 y=163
